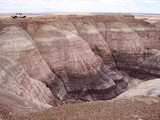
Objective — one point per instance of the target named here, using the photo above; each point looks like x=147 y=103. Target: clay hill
x=51 y=61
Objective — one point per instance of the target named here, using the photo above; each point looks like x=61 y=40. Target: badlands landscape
x=152 y=18
x=79 y=67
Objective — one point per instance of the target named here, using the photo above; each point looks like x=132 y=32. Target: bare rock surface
x=129 y=53
x=146 y=88
x=14 y=106
x=83 y=73
x=79 y=58
x=14 y=79
x=16 y=44
x=80 y=54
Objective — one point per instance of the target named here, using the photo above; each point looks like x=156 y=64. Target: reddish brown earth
x=50 y=60
x=122 y=109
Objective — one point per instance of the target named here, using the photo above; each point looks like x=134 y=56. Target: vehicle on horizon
x=18 y=15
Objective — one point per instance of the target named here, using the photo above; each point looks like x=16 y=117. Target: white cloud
x=151 y=1
x=79 y=5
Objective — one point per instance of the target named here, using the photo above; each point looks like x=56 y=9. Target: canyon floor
x=80 y=67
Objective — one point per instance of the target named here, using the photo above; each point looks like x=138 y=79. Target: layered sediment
x=16 y=44
x=71 y=58
x=80 y=57
x=15 y=80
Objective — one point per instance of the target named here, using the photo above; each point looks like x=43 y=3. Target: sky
x=117 y=6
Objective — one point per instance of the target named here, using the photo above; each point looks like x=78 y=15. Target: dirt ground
x=137 y=108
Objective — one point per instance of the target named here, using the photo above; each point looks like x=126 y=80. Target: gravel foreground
x=137 y=108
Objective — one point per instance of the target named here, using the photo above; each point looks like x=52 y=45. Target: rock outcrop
x=90 y=33
x=147 y=88
x=17 y=107
x=14 y=79
x=129 y=53
x=16 y=44
x=150 y=36
x=69 y=56
x=80 y=57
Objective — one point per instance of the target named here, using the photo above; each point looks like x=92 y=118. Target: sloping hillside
x=50 y=60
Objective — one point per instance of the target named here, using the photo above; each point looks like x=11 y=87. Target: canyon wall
x=15 y=80
x=81 y=57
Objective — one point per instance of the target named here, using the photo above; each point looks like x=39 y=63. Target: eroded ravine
x=80 y=57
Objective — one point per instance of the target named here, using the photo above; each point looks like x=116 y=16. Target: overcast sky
x=137 y=6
